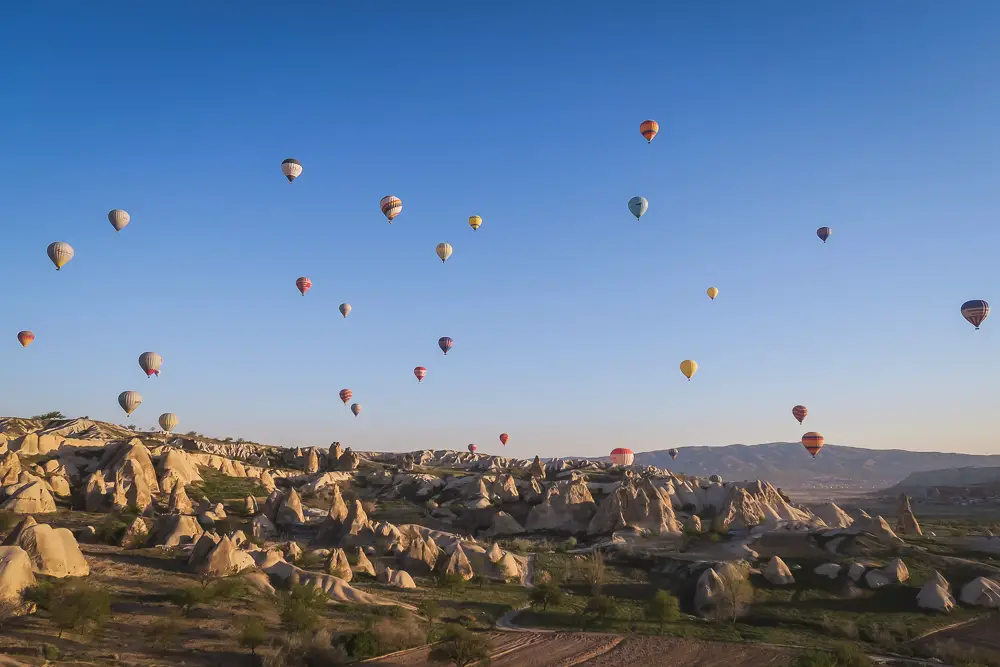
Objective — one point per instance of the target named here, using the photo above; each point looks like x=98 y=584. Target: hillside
x=787 y=465
x=950 y=477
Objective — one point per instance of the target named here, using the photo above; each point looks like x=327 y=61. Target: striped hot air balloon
x=168 y=421
x=150 y=363
x=475 y=222
x=345 y=395
x=420 y=372
x=129 y=400
x=813 y=442
x=291 y=168
x=445 y=344
x=356 y=409
x=800 y=412
x=118 y=218
x=391 y=207
x=25 y=338
x=649 y=128
x=976 y=312
x=303 y=284
x=621 y=456
x=824 y=233
x=504 y=438
x=60 y=253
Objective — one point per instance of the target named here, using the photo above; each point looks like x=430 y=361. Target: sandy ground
x=981 y=634
x=570 y=649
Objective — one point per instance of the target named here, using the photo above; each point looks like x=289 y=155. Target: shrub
x=9 y=609
x=600 y=606
x=41 y=594
x=189 y=597
x=452 y=582
x=461 y=647
x=545 y=594
x=252 y=633
x=735 y=597
x=51 y=652
x=520 y=546
x=398 y=634
x=432 y=611
x=164 y=633
x=361 y=645
x=663 y=608
x=301 y=607
x=80 y=607
x=595 y=571
x=844 y=655
x=46 y=416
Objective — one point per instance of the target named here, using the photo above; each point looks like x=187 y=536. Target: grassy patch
x=221 y=488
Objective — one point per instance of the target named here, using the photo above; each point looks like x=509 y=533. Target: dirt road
x=576 y=649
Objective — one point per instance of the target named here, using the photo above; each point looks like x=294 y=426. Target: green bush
x=301 y=608
x=189 y=597
x=80 y=607
x=843 y=655
x=361 y=645
x=663 y=608
x=601 y=606
x=461 y=648
x=547 y=593
x=252 y=633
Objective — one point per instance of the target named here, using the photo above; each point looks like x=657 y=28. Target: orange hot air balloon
x=345 y=395
x=25 y=338
x=649 y=128
x=813 y=442
x=420 y=372
x=504 y=438
x=800 y=412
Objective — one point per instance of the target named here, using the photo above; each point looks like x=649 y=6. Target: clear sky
x=569 y=317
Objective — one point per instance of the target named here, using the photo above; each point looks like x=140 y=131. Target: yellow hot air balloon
x=443 y=251
x=475 y=221
x=712 y=292
x=689 y=368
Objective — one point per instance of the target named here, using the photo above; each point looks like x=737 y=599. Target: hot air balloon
x=445 y=344
x=715 y=479
x=673 y=453
x=475 y=222
x=800 y=412
x=472 y=449
x=60 y=253
x=345 y=395
x=621 y=456
x=637 y=206
x=504 y=438
x=304 y=284
x=391 y=206
x=824 y=233
x=150 y=363
x=689 y=368
x=813 y=442
x=356 y=409
x=443 y=251
x=712 y=292
x=129 y=400
x=649 y=128
x=118 y=218
x=975 y=311
x=420 y=372
x=345 y=309
x=291 y=168
x=25 y=338
x=168 y=421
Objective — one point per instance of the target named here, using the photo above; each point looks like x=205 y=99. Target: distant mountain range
x=788 y=465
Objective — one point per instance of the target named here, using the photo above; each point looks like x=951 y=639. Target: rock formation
x=906 y=522
x=777 y=572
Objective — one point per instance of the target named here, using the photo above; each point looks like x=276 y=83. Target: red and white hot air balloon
x=472 y=449
x=304 y=284
x=622 y=456
x=504 y=438
x=420 y=372
x=345 y=395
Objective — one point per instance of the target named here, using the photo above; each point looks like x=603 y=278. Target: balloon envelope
x=824 y=233
x=150 y=363
x=345 y=309
x=813 y=442
x=168 y=421
x=475 y=222
x=60 y=253
x=472 y=449
x=975 y=312
x=25 y=338
x=649 y=128
x=445 y=344
x=420 y=372
x=118 y=218
x=129 y=400
x=291 y=168
x=303 y=284
x=443 y=251
x=689 y=368
x=800 y=412
x=673 y=453
x=345 y=395
x=391 y=207
x=621 y=456
x=712 y=292
x=637 y=206
x=356 y=409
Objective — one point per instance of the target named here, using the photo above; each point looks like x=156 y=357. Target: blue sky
x=569 y=317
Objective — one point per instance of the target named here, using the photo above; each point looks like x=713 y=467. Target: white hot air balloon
x=60 y=253
x=291 y=168
x=129 y=400
x=345 y=309
x=637 y=206
x=443 y=251
x=150 y=363
x=391 y=207
x=168 y=421
x=118 y=218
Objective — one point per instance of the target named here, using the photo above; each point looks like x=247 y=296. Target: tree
x=546 y=593
x=189 y=597
x=80 y=607
x=595 y=571
x=461 y=648
x=600 y=606
x=55 y=414
x=735 y=596
x=252 y=633
x=431 y=610
x=301 y=607
x=663 y=608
